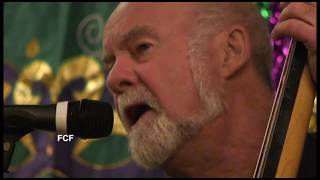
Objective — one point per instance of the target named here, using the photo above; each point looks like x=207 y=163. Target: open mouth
x=134 y=112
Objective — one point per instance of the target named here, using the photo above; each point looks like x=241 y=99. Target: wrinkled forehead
x=158 y=16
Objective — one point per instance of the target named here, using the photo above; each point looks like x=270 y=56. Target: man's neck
x=229 y=146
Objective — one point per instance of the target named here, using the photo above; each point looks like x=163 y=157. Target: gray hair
x=213 y=17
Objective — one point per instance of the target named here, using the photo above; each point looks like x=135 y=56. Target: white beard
x=152 y=143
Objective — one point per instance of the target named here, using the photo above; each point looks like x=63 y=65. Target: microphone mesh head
x=94 y=120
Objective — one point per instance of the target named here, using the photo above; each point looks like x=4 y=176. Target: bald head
x=206 y=19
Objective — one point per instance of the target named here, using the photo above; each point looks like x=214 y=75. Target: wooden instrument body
x=283 y=144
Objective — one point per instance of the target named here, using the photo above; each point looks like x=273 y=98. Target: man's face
x=162 y=100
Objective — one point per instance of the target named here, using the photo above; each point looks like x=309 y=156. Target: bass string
x=274 y=112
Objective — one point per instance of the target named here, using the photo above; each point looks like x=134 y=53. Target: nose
x=121 y=76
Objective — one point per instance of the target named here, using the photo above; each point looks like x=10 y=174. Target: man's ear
x=237 y=48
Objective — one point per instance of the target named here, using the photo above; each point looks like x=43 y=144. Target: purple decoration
x=285 y=51
x=273 y=20
x=279 y=59
x=280 y=46
x=278 y=42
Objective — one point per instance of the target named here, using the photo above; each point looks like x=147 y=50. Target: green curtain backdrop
x=52 y=53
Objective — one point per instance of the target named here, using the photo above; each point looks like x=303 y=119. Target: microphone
x=85 y=118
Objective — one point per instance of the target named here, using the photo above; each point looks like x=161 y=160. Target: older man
x=191 y=83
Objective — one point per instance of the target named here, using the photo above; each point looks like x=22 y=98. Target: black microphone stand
x=11 y=136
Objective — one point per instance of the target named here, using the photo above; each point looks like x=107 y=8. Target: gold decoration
x=84 y=67
x=118 y=128
x=6 y=89
x=83 y=144
x=56 y=172
x=118 y=164
x=313 y=120
x=27 y=140
x=33 y=48
x=49 y=150
x=98 y=166
x=81 y=66
x=38 y=70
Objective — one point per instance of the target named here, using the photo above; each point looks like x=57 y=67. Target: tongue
x=139 y=111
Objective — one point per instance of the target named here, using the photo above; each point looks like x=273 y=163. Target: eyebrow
x=136 y=32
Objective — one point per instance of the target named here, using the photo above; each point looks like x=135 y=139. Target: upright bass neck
x=288 y=121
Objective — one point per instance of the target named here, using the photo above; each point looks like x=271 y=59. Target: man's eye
x=141 y=48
